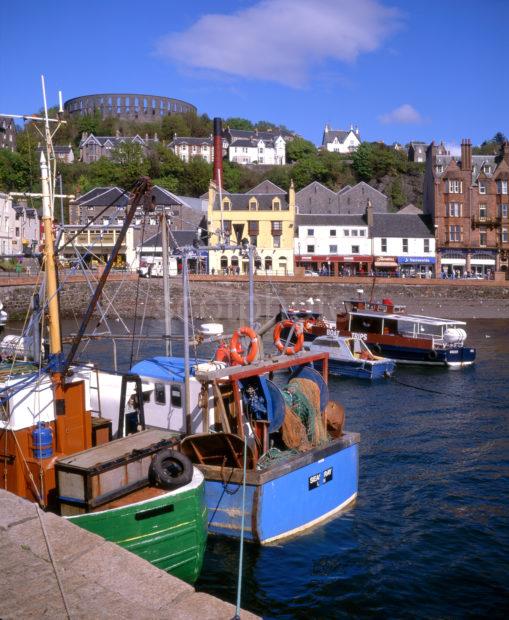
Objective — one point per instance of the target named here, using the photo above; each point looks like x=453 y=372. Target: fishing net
x=302 y=397
x=293 y=431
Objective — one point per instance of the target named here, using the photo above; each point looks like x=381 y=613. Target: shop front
x=386 y=266
x=453 y=263
x=332 y=265
x=416 y=266
x=483 y=264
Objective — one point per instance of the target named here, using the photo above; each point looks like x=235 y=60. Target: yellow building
x=265 y=216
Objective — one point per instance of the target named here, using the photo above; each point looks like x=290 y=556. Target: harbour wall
x=219 y=298
x=98 y=579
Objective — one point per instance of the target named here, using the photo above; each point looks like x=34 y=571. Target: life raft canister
x=236 y=347
x=299 y=333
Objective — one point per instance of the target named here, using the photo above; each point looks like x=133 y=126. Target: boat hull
x=459 y=357
x=361 y=369
x=286 y=498
x=169 y=531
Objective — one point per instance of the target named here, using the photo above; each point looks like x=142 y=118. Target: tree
x=195 y=178
x=308 y=170
x=14 y=172
x=299 y=148
x=398 y=198
x=236 y=122
x=362 y=162
x=172 y=125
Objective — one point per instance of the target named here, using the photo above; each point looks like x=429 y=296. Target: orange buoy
x=236 y=347
x=299 y=332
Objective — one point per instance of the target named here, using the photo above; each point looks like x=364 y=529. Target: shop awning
x=386 y=261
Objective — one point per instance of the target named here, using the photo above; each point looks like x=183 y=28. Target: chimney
x=505 y=152
x=466 y=154
x=369 y=214
x=291 y=196
x=218 y=152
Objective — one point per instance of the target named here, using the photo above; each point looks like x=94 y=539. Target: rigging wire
x=136 y=302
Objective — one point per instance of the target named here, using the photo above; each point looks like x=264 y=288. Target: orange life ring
x=236 y=347
x=299 y=332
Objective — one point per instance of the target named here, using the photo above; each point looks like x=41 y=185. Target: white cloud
x=282 y=40
x=404 y=115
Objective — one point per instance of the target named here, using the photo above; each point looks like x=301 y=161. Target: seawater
x=428 y=536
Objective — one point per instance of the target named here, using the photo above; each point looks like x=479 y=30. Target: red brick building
x=469 y=203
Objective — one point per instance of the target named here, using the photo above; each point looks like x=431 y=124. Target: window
x=355 y=249
x=455 y=187
x=504 y=235
x=502 y=187
x=252 y=204
x=482 y=212
x=487 y=169
x=333 y=249
x=355 y=232
x=253 y=228
x=482 y=187
x=276 y=242
x=454 y=233
x=253 y=240
x=160 y=394
x=439 y=169
x=310 y=248
x=362 y=233
x=346 y=232
x=383 y=245
x=454 y=209
x=276 y=204
x=483 y=236
x=311 y=232
x=405 y=245
x=426 y=245
x=332 y=232
x=277 y=228
x=175 y=396
x=120 y=221
x=504 y=210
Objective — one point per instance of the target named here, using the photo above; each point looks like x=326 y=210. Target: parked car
x=308 y=272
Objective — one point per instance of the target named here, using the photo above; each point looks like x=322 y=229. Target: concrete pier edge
x=100 y=580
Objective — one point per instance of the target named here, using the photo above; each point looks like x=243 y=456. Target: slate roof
x=104 y=197
x=116 y=140
x=58 y=148
x=164 y=197
x=192 y=141
x=477 y=164
x=266 y=187
x=410 y=208
x=240 y=202
x=400 y=225
x=330 y=220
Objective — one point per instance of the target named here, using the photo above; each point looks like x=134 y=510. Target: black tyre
x=170 y=470
x=432 y=355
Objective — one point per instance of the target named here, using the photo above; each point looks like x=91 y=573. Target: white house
x=403 y=242
x=333 y=244
x=341 y=141
x=385 y=243
x=256 y=147
x=6 y=225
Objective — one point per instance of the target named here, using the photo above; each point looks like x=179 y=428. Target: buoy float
x=236 y=347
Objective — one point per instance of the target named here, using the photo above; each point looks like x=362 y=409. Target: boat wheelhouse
x=407 y=338
x=350 y=357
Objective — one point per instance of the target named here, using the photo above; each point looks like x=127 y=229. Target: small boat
x=389 y=331
x=350 y=357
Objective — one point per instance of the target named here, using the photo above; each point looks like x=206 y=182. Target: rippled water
x=428 y=536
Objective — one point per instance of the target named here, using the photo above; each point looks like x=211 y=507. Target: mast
x=50 y=267
x=185 y=312
x=251 y=286
x=166 y=283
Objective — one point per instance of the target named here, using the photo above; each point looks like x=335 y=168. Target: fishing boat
x=389 y=331
x=139 y=490
x=350 y=357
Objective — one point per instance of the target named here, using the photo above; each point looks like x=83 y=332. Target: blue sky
x=400 y=70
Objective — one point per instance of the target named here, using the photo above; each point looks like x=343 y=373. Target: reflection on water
x=428 y=536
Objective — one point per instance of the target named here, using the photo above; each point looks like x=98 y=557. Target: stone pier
x=99 y=579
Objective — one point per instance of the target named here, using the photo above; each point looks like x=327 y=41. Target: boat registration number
x=323 y=477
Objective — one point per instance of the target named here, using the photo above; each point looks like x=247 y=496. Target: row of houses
x=348 y=232
x=244 y=147
x=19 y=228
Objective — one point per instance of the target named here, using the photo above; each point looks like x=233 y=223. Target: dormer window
x=253 y=204
x=276 y=204
x=487 y=169
x=439 y=168
x=482 y=187
x=454 y=187
x=226 y=204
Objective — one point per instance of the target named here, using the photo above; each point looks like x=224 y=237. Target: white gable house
x=340 y=141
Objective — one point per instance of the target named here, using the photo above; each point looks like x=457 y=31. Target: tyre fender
x=170 y=469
